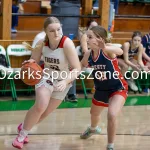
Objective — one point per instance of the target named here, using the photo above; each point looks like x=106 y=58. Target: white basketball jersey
x=55 y=61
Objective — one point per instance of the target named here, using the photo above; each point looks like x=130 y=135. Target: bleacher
x=130 y=17
x=136 y=1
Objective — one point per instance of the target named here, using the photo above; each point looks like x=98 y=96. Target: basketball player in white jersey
x=71 y=95
x=58 y=52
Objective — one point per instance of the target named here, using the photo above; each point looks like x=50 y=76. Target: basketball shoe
x=88 y=132
x=18 y=130
x=110 y=148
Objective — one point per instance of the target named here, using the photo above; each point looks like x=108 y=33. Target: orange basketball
x=31 y=73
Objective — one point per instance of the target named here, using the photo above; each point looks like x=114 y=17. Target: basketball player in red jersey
x=110 y=86
x=58 y=53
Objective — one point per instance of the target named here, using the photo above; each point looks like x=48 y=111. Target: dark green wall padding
x=82 y=103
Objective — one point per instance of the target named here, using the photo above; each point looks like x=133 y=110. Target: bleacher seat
x=16 y=54
x=5 y=72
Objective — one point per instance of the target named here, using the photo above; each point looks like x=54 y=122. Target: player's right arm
x=84 y=61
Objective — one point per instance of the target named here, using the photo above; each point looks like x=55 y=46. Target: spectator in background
x=146 y=53
x=67 y=7
x=69 y=26
x=83 y=35
x=16 y=8
x=96 y=3
x=116 y=5
x=132 y=57
x=71 y=95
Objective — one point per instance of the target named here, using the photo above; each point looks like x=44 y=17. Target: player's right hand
x=60 y=86
x=28 y=61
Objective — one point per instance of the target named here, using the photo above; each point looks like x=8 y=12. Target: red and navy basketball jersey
x=106 y=73
x=146 y=44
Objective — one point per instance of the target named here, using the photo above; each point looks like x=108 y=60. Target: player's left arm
x=73 y=59
x=112 y=50
x=109 y=48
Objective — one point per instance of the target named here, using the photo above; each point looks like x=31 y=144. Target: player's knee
x=125 y=67
x=94 y=113
x=41 y=108
x=111 y=115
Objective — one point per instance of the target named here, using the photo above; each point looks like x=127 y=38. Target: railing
x=132 y=16
x=56 y=15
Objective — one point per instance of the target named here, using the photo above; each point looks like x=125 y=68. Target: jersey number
x=101 y=76
x=54 y=67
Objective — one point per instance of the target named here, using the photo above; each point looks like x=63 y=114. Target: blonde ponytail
x=29 y=47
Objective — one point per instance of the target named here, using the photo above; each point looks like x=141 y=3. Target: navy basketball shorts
x=101 y=98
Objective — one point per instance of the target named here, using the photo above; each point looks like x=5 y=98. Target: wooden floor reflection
x=61 y=130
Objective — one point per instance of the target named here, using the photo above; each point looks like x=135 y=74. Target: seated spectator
x=132 y=57
x=146 y=52
x=16 y=8
x=83 y=36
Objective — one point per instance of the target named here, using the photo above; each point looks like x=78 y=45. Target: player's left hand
x=101 y=43
x=60 y=86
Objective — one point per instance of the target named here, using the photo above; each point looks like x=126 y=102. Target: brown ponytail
x=99 y=31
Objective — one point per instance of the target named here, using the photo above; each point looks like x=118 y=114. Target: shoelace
x=20 y=138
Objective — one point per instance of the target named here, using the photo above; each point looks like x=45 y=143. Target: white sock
x=110 y=145
x=93 y=128
x=23 y=133
x=22 y=125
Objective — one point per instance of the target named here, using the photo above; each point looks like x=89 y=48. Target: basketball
x=31 y=73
